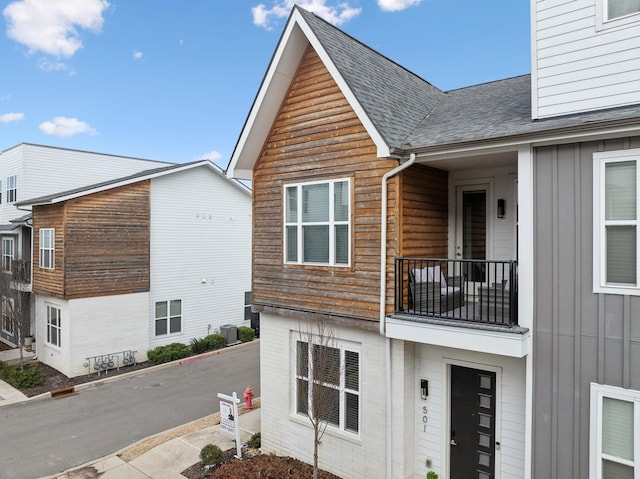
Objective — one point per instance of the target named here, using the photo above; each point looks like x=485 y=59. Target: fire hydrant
x=248 y=396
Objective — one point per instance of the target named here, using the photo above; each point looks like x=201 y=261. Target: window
x=620 y=8
x=12 y=189
x=616 y=215
x=334 y=373
x=7 y=255
x=317 y=223
x=168 y=317
x=54 y=326
x=615 y=428
x=7 y=315
x=47 y=243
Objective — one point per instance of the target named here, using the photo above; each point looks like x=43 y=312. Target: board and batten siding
x=579 y=337
x=200 y=251
x=102 y=244
x=317 y=136
x=580 y=63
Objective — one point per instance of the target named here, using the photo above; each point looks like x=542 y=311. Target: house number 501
x=425 y=419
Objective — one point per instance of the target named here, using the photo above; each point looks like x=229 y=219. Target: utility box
x=230 y=333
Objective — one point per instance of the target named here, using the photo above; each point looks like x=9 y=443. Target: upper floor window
x=615 y=427
x=47 y=248
x=317 y=223
x=7 y=254
x=12 y=189
x=327 y=382
x=620 y=8
x=616 y=218
x=168 y=317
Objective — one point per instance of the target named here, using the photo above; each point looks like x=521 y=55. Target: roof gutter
x=383 y=300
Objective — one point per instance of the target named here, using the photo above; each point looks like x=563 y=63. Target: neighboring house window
x=615 y=429
x=54 y=326
x=337 y=373
x=0 y=191
x=247 y=305
x=7 y=315
x=7 y=254
x=47 y=243
x=12 y=189
x=616 y=215
x=317 y=223
x=168 y=317
x=620 y=8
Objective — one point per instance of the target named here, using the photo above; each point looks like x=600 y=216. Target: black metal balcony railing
x=481 y=291
x=21 y=271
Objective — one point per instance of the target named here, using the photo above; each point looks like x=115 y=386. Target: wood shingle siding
x=102 y=244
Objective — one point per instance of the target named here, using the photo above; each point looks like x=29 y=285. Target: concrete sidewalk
x=167 y=454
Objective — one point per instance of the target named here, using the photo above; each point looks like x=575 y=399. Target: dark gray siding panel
x=579 y=337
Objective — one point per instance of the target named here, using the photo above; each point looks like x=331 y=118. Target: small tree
x=12 y=311
x=318 y=371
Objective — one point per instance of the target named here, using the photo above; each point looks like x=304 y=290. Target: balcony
x=476 y=291
x=21 y=275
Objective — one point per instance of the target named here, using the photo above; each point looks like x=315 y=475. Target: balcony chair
x=432 y=293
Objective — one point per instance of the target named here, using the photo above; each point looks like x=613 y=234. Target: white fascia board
x=383 y=150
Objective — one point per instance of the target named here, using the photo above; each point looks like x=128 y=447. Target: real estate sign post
x=229 y=418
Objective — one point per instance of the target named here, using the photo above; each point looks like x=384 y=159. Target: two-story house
x=29 y=171
x=473 y=253
x=125 y=265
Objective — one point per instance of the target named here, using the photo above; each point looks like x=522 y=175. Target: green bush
x=245 y=334
x=211 y=454
x=167 y=353
x=199 y=345
x=29 y=377
x=255 y=441
x=216 y=341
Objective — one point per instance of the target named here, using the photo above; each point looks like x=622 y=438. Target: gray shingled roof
x=394 y=99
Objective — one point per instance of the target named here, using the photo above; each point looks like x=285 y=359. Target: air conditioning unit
x=230 y=333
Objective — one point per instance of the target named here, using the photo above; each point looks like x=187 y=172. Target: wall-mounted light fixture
x=502 y=207
x=424 y=388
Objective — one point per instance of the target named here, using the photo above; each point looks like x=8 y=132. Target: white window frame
x=598 y=393
x=51 y=326
x=7 y=320
x=600 y=160
x=12 y=189
x=343 y=346
x=47 y=251
x=331 y=223
x=603 y=22
x=167 y=318
x=8 y=256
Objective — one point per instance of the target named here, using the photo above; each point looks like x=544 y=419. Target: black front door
x=473 y=423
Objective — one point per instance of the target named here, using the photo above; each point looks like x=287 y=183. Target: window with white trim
x=7 y=316
x=616 y=215
x=335 y=372
x=615 y=429
x=620 y=8
x=12 y=189
x=54 y=325
x=317 y=223
x=7 y=254
x=47 y=248
x=168 y=317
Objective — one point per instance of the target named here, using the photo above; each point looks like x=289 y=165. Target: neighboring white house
x=474 y=252
x=28 y=171
x=158 y=257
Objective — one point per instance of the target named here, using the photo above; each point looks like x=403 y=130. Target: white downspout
x=383 y=297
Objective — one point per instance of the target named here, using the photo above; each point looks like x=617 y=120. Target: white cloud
x=66 y=127
x=54 y=66
x=11 y=117
x=397 y=5
x=50 y=26
x=336 y=15
x=214 y=156
x=137 y=55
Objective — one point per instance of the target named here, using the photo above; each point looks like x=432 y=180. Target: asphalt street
x=47 y=436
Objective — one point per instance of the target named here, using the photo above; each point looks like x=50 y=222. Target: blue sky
x=174 y=80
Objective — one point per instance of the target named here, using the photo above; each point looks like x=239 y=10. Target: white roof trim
x=281 y=70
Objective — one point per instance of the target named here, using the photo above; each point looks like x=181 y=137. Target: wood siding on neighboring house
x=582 y=62
x=102 y=244
x=580 y=337
x=317 y=136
